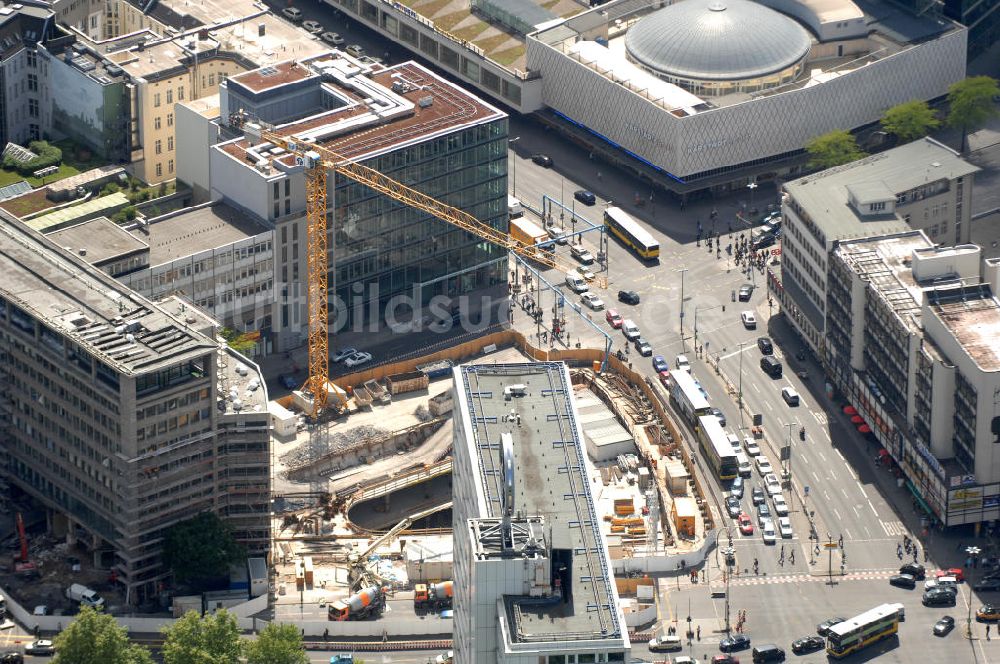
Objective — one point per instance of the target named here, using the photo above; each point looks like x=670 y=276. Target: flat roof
x=88 y=306
x=274 y=76
x=102 y=239
x=972 y=315
x=824 y=195
x=414 y=104
x=94 y=207
x=549 y=461
x=197 y=229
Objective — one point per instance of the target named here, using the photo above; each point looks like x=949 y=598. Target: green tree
x=971 y=104
x=833 y=149
x=200 y=548
x=96 y=638
x=910 y=121
x=241 y=342
x=212 y=639
x=277 y=644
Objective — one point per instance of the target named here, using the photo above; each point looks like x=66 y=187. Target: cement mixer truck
x=366 y=603
x=435 y=595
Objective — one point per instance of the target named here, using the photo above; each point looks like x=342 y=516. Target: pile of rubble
x=320 y=444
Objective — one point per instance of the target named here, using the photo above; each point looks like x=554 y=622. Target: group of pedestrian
x=747 y=258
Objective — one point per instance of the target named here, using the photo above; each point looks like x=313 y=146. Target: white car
x=358 y=359
x=40 y=647
x=785 y=527
x=773 y=484
x=586 y=273
x=682 y=363
x=780 y=506
x=592 y=301
x=557 y=233
x=767 y=531
x=734 y=441
x=446 y=658
x=751 y=446
x=764 y=466
x=790 y=396
x=749 y=320
x=343 y=354
x=942 y=581
x=630 y=330
x=665 y=643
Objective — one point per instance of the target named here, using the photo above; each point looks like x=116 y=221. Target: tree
x=910 y=121
x=833 y=149
x=201 y=549
x=277 y=644
x=241 y=342
x=96 y=638
x=212 y=639
x=971 y=104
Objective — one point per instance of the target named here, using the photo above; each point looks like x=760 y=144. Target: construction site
x=363 y=502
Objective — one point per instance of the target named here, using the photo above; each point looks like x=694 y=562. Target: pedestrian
x=699 y=632
x=326 y=634
x=987 y=632
x=791 y=557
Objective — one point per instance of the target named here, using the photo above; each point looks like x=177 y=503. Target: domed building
x=718 y=47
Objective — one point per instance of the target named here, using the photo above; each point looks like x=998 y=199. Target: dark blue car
x=660 y=364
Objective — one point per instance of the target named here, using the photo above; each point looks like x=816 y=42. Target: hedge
x=48 y=155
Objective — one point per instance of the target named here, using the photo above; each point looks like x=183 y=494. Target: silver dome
x=717 y=40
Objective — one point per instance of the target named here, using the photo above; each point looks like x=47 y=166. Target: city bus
x=687 y=394
x=628 y=230
x=862 y=631
x=716 y=447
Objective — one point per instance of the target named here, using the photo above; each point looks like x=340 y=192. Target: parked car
x=746 y=525
x=542 y=160
x=628 y=297
x=824 y=627
x=734 y=642
x=643 y=347
x=780 y=506
x=807 y=644
x=790 y=396
x=358 y=359
x=916 y=570
x=746 y=290
x=342 y=354
x=288 y=381
x=615 y=318
x=312 y=27
x=660 y=364
x=356 y=50
x=666 y=643
x=943 y=626
x=40 y=647
x=749 y=320
x=332 y=38
x=733 y=506
x=592 y=301
x=293 y=14
x=903 y=581
x=757 y=495
x=772 y=484
x=765 y=346
x=584 y=196
x=785 y=527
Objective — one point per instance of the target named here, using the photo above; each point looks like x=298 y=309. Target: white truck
x=84 y=595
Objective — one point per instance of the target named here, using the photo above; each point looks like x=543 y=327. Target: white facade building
x=532 y=573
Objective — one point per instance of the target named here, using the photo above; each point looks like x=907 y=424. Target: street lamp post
x=788 y=466
x=511 y=142
x=696 y=310
x=739 y=387
x=751 y=187
x=682 y=271
x=972 y=552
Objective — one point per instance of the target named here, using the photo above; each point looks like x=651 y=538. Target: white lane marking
x=844 y=491
x=815 y=477
x=836 y=514
x=826 y=495
x=769 y=406
x=833 y=475
x=863 y=492
x=868 y=532
x=805 y=459
x=840 y=455
x=822 y=456
x=755 y=388
x=874 y=511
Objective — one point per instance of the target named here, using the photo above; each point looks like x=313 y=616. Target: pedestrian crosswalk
x=894 y=528
x=773 y=579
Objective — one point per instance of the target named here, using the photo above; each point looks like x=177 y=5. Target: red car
x=725 y=659
x=665 y=378
x=614 y=318
x=954 y=571
x=746 y=525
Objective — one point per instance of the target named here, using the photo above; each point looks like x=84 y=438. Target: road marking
x=805 y=459
x=840 y=455
x=755 y=388
x=822 y=456
x=833 y=475
x=848 y=533
x=874 y=511
x=868 y=532
x=826 y=495
x=820 y=417
x=768 y=404
x=836 y=514
x=863 y=492
x=893 y=528
x=844 y=491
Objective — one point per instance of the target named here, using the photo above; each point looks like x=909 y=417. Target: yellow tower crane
x=317 y=161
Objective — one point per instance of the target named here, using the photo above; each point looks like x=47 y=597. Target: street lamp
x=682 y=271
x=511 y=142
x=696 y=310
x=739 y=388
x=788 y=466
x=972 y=552
x=751 y=187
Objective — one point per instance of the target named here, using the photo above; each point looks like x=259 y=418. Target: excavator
x=22 y=566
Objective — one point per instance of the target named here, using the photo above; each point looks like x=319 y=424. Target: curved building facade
x=719 y=47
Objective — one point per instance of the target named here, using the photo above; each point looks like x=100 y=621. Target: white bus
x=688 y=396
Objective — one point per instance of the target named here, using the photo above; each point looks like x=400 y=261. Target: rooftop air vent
x=426 y=101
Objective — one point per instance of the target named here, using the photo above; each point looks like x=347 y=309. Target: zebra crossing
x=774 y=579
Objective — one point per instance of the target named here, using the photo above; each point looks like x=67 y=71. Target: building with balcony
x=389 y=262
x=921 y=185
x=123 y=416
x=533 y=580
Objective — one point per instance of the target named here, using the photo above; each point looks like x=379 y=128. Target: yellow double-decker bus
x=628 y=230
x=862 y=631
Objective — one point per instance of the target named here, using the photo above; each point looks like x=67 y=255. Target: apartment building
x=403 y=121
x=533 y=581
x=24 y=91
x=921 y=185
x=911 y=329
x=122 y=416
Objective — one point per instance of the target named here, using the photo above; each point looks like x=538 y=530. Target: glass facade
x=383 y=249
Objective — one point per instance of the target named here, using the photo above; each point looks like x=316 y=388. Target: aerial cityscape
x=499 y=331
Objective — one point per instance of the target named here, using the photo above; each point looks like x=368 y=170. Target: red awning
x=857 y=419
x=883 y=452
x=864 y=428
x=850 y=410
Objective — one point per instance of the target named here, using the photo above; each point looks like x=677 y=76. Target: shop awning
x=864 y=428
x=916 y=494
x=857 y=419
x=850 y=410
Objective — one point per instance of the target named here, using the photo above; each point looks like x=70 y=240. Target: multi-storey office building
x=921 y=185
x=533 y=581
x=388 y=261
x=123 y=416
x=911 y=331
